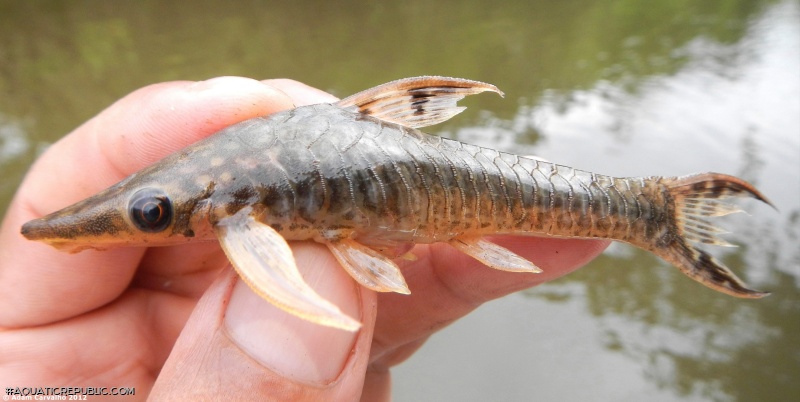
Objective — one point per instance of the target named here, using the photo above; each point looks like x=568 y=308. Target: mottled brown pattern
x=387 y=181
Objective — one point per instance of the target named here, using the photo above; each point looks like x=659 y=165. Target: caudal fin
x=696 y=199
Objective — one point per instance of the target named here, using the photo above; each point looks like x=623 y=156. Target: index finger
x=136 y=131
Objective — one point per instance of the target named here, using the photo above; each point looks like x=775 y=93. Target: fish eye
x=150 y=210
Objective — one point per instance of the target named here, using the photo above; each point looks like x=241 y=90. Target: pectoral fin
x=415 y=102
x=369 y=267
x=265 y=262
x=493 y=255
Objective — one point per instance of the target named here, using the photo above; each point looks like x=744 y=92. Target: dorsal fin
x=415 y=102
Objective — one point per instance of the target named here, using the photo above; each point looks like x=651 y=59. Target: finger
x=266 y=352
x=300 y=93
x=186 y=270
x=90 y=346
x=446 y=285
x=134 y=132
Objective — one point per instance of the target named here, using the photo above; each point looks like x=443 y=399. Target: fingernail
x=290 y=346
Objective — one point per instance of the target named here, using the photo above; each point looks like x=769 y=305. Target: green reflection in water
x=62 y=62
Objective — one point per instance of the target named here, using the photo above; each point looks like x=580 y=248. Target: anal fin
x=265 y=262
x=493 y=255
x=368 y=267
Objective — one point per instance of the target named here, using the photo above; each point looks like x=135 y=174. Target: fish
x=360 y=177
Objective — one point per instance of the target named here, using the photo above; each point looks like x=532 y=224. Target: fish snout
x=76 y=227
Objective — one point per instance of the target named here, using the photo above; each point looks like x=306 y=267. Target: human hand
x=176 y=322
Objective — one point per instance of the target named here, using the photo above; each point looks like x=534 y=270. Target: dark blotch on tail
x=714 y=185
x=722 y=276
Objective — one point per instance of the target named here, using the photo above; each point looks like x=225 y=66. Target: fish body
x=359 y=177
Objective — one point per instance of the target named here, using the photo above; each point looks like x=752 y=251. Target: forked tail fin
x=696 y=198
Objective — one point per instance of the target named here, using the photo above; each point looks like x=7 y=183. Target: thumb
x=237 y=346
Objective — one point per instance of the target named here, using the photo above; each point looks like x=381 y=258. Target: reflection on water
x=692 y=341
x=663 y=87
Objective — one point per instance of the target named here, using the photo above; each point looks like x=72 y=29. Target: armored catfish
x=358 y=176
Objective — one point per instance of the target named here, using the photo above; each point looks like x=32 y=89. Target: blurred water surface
x=621 y=87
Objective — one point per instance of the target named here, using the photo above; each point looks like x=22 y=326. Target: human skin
x=175 y=322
